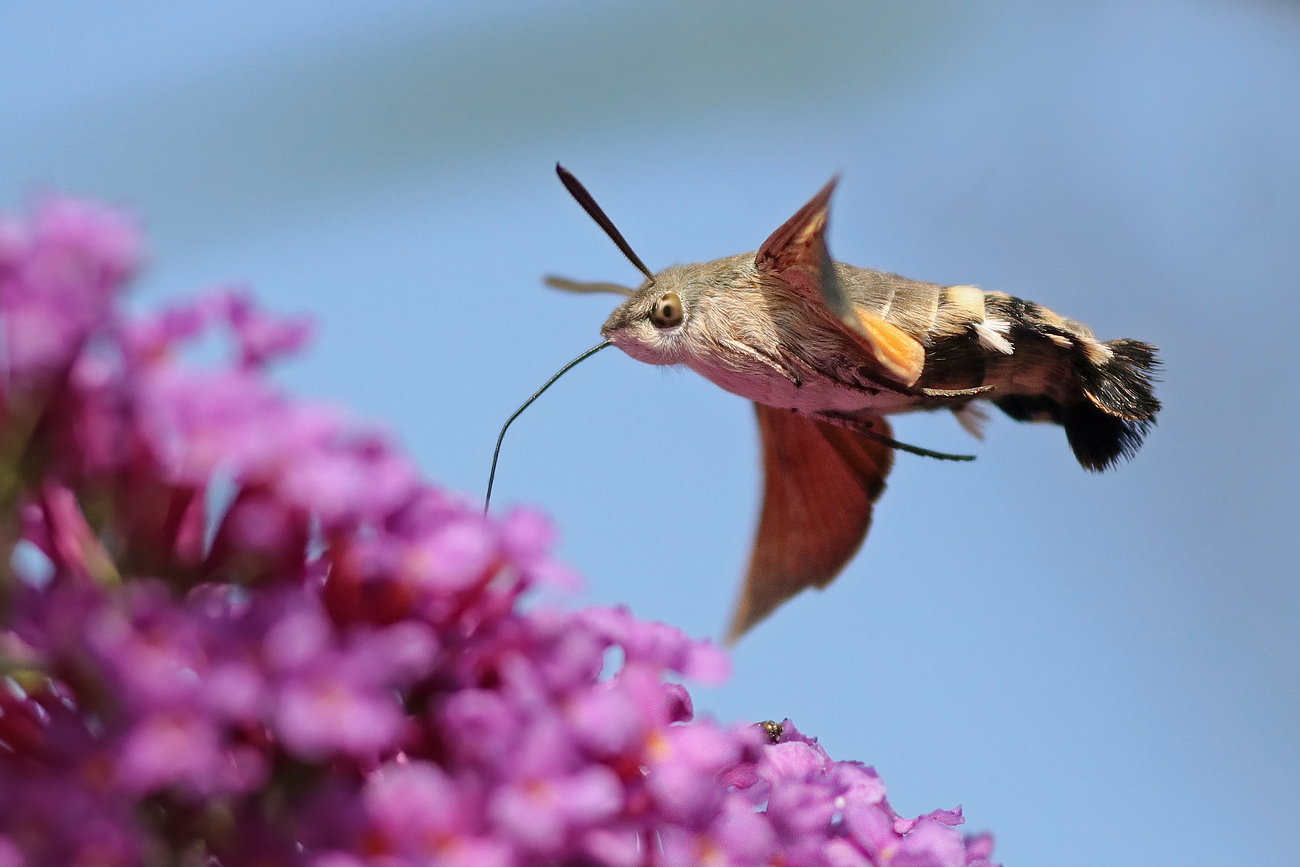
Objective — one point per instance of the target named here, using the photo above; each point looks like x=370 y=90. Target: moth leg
x=956 y=392
x=777 y=361
x=865 y=428
x=972 y=418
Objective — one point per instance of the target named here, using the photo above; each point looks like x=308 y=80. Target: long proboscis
x=584 y=198
x=496 y=453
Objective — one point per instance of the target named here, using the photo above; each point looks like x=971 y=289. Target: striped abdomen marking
x=1041 y=366
x=1101 y=393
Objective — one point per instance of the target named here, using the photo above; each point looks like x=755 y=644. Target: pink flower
x=243 y=629
x=544 y=813
x=58 y=277
x=319 y=714
x=170 y=747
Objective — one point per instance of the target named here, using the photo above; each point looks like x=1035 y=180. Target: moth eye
x=667 y=312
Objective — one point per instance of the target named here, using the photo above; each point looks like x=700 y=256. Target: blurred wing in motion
x=820 y=484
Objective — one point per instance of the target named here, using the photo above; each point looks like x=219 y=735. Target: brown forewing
x=820 y=483
x=798 y=254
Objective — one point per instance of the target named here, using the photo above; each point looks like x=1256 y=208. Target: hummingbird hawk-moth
x=826 y=350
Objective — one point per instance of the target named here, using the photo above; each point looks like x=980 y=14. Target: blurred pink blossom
x=238 y=629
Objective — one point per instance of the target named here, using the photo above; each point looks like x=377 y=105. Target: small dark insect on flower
x=773 y=729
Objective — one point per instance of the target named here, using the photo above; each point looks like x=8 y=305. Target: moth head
x=656 y=324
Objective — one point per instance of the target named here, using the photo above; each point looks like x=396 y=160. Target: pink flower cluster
x=237 y=630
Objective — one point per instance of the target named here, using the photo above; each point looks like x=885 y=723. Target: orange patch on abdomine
x=892 y=347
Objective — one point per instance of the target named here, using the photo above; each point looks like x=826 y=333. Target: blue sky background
x=1101 y=669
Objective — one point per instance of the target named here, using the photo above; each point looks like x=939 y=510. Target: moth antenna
x=496 y=453
x=579 y=192
x=583 y=288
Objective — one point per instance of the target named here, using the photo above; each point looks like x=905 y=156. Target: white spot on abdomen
x=990 y=333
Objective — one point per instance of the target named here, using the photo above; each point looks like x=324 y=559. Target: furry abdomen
x=1034 y=364
x=761 y=344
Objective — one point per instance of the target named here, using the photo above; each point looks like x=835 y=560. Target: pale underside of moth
x=825 y=350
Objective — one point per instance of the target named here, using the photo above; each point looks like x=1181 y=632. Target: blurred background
x=1100 y=669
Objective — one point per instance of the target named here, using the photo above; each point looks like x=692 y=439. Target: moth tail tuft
x=1117 y=378
x=1099 y=439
